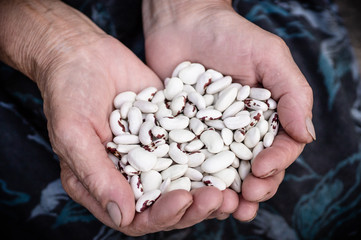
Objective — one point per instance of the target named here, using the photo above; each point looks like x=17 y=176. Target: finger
x=261 y=189
x=163 y=214
x=205 y=201
x=288 y=85
x=223 y=216
x=81 y=195
x=278 y=157
x=229 y=205
x=84 y=153
x=246 y=210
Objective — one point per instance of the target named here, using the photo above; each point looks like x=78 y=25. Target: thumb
x=280 y=74
x=91 y=179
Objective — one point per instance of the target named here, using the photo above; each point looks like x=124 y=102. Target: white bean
x=257 y=149
x=189 y=110
x=244 y=169
x=212 y=140
x=175 y=171
x=145 y=136
x=164 y=186
x=193 y=174
x=181 y=135
x=131 y=171
x=177 y=154
x=194 y=145
x=237 y=183
x=126 y=139
x=260 y=93
x=177 y=105
x=217 y=124
x=215 y=182
x=136 y=186
x=226 y=99
x=268 y=139
x=161 y=150
x=141 y=159
x=180 y=183
x=125 y=148
x=255 y=104
x=208 y=114
x=218 y=162
x=146 y=200
x=116 y=125
x=158 y=97
x=227 y=136
x=239 y=135
x=233 y=109
x=190 y=73
x=172 y=123
x=262 y=125
x=252 y=137
x=203 y=81
x=163 y=111
x=124 y=109
x=241 y=151
x=219 y=85
x=215 y=74
x=135 y=120
x=237 y=122
x=124 y=97
x=195 y=185
x=196 y=159
x=173 y=87
x=273 y=123
x=146 y=94
x=179 y=67
x=243 y=93
x=162 y=164
x=227 y=175
x=151 y=180
x=159 y=132
x=145 y=106
x=209 y=99
x=271 y=103
x=197 y=99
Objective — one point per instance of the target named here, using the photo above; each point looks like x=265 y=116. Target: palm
x=208 y=40
x=77 y=102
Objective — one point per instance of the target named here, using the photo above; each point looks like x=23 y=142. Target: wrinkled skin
x=79 y=70
x=213 y=34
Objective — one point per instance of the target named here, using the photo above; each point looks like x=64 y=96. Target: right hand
x=213 y=34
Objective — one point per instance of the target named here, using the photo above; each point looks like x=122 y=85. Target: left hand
x=213 y=34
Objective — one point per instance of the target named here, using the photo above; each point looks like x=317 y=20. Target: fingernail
x=310 y=128
x=114 y=213
x=266 y=196
x=210 y=213
x=250 y=220
x=182 y=211
x=269 y=174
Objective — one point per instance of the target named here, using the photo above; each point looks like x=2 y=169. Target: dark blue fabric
x=320 y=197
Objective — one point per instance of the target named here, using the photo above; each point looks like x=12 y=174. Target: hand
x=79 y=70
x=213 y=34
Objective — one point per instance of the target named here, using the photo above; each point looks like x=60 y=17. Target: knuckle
x=278 y=43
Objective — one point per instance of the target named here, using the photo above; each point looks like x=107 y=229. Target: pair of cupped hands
x=80 y=83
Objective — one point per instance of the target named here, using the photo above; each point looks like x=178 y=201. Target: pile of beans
x=201 y=130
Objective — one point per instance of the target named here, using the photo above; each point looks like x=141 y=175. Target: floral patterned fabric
x=320 y=197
